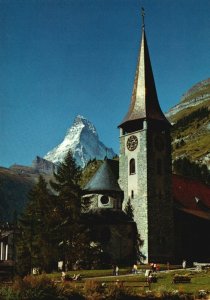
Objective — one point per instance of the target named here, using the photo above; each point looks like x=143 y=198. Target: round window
x=104 y=200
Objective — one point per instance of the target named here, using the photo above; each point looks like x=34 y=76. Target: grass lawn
x=199 y=280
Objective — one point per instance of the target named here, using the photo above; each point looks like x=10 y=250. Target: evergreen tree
x=138 y=242
x=35 y=242
x=73 y=236
x=129 y=209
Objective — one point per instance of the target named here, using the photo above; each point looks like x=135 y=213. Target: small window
x=132 y=166
x=104 y=200
x=159 y=167
x=132 y=194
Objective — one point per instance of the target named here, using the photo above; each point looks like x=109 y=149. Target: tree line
x=199 y=114
x=185 y=167
x=51 y=229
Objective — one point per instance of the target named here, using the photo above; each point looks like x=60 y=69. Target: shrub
x=68 y=292
x=31 y=288
x=118 y=292
x=7 y=293
x=93 y=290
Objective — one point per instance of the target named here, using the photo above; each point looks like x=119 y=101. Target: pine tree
x=138 y=242
x=73 y=235
x=129 y=209
x=36 y=240
x=68 y=190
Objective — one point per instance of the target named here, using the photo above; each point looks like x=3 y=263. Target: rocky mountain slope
x=191 y=124
x=82 y=139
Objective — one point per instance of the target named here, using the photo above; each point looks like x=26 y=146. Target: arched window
x=132 y=166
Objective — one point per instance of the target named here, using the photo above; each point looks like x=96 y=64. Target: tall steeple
x=145 y=163
x=144 y=101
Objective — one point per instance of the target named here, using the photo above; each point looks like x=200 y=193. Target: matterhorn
x=83 y=141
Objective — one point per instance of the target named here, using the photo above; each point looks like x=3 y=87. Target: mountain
x=15 y=184
x=14 y=187
x=191 y=124
x=190 y=138
x=82 y=139
x=42 y=165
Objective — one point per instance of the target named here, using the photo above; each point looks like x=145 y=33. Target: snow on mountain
x=82 y=139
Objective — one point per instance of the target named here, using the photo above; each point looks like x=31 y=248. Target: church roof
x=105 y=179
x=191 y=196
x=144 y=101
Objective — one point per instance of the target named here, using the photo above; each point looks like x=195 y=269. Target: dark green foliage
x=68 y=190
x=51 y=227
x=185 y=167
x=129 y=210
x=73 y=236
x=67 y=204
x=198 y=115
x=35 y=240
x=137 y=256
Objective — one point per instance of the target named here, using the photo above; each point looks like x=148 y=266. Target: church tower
x=145 y=163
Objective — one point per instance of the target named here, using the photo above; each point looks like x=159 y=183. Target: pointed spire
x=143 y=15
x=144 y=101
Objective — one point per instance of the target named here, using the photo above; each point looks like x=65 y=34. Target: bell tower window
x=132 y=166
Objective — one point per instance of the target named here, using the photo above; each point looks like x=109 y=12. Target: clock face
x=159 y=143
x=132 y=142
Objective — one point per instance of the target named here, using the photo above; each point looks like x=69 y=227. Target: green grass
x=194 y=148
x=199 y=280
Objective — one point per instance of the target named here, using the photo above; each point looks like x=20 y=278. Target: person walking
x=116 y=270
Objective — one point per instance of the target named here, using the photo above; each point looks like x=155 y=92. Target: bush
x=118 y=292
x=31 y=288
x=7 y=293
x=93 y=290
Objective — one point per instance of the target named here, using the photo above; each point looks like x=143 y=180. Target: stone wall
x=152 y=198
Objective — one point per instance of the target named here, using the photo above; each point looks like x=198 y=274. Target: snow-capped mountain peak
x=82 y=139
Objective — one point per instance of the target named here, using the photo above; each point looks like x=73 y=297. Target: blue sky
x=61 y=58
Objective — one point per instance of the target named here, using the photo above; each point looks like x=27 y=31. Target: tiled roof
x=191 y=196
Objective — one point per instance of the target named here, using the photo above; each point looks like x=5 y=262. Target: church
x=171 y=213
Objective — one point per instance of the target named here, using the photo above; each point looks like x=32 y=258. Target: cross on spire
x=143 y=15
